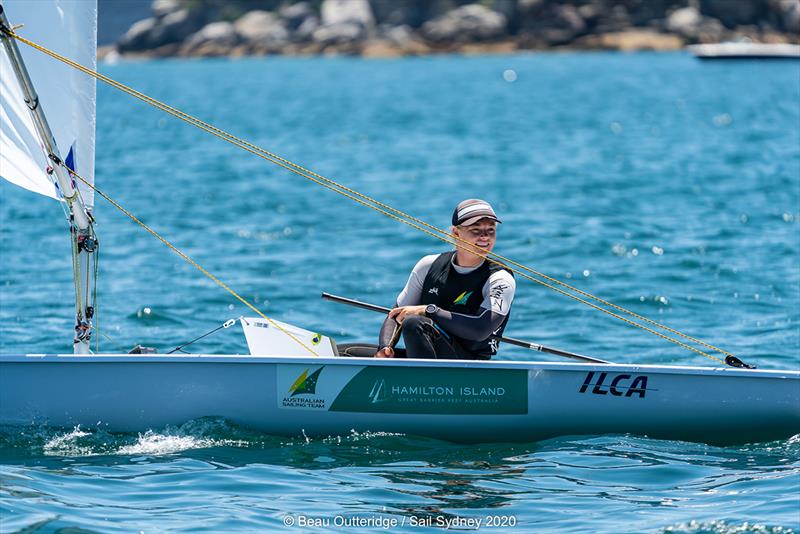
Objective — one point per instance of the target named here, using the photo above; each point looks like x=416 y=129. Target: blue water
x=665 y=185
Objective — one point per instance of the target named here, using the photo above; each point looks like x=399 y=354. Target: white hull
x=451 y=400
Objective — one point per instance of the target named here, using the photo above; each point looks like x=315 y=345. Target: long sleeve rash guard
x=498 y=294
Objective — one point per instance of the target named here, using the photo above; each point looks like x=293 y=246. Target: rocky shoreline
x=391 y=28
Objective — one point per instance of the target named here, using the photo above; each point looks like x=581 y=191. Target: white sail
x=68 y=27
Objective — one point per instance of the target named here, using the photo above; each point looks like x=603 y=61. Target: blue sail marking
x=70 y=159
x=71 y=164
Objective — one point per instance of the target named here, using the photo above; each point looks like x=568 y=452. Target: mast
x=82 y=235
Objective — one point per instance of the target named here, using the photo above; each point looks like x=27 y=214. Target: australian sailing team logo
x=301 y=393
x=463 y=298
x=305 y=383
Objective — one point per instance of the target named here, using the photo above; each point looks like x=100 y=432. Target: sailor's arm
x=409 y=296
x=385 y=338
x=471 y=327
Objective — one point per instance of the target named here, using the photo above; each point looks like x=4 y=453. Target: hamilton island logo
x=463 y=298
x=301 y=392
x=378 y=392
x=404 y=390
x=426 y=393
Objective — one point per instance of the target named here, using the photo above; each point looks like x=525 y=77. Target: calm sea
x=655 y=181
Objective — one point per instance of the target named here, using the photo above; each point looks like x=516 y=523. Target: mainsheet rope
x=385 y=209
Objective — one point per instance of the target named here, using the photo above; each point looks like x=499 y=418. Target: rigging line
x=452 y=240
x=306 y=173
x=334 y=185
x=76 y=281
x=94 y=299
x=185 y=257
x=86 y=288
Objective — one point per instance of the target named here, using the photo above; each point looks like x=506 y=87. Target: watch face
x=430 y=308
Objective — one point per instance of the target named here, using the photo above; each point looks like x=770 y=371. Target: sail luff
x=36 y=108
x=68 y=96
x=84 y=240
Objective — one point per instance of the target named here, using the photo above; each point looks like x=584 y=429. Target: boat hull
x=452 y=400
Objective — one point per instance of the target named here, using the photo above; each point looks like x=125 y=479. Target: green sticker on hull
x=431 y=390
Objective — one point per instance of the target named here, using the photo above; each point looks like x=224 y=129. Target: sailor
x=454 y=304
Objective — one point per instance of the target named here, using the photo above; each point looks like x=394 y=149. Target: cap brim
x=476 y=218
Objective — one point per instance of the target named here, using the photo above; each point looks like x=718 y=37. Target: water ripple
x=664 y=185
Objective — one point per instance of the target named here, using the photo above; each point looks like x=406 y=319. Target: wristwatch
x=431 y=309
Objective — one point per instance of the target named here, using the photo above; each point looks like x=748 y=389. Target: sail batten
x=67 y=96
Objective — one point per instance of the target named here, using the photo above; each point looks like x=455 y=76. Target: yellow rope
x=388 y=210
x=190 y=260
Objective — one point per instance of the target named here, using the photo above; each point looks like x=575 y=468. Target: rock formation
x=412 y=27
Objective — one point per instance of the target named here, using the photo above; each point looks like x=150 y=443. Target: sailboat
x=295 y=382
x=745 y=50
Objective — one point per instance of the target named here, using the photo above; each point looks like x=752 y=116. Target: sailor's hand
x=385 y=352
x=400 y=314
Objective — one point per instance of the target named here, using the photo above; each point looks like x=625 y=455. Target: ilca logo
x=463 y=298
x=621 y=385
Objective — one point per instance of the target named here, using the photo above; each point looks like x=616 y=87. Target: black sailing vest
x=461 y=293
